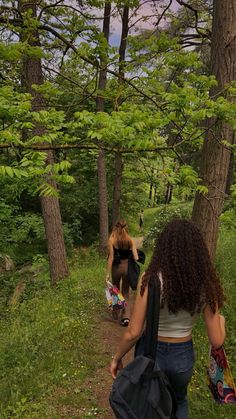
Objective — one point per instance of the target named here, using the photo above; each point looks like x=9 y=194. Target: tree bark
x=215 y=156
x=101 y=162
x=117 y=188
x=154 y=196
x=150 y=191
x=168 y=195
x=33 y=75
x=118 y=157
x=54 y=231
x=123 y=41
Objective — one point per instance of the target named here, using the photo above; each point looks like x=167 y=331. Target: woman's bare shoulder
x=111 y=241
x=132 y=240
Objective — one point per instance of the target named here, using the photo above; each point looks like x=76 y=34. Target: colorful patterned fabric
x=219 y=377
x=114 y=297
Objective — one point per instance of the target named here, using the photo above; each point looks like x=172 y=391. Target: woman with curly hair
x=120 y=247
x=189 y=287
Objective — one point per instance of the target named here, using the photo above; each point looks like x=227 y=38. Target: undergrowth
x=47 y=345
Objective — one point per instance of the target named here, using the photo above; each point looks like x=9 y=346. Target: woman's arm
x=133 y=331
x=109 y=260
x=134 y=250
x=215 y=325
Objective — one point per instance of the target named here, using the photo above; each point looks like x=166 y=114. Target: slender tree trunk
x=154 y=195
x=117 y=188
x=151 y=186
x=33 y=75
x=216 y=156
x=101 y=162
x=168 y=195
x=118 y=157
x=150 y=191
x=103 y=206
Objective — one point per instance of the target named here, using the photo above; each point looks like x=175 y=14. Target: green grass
x=152 y=214
x=201 y=403
x=149 y=216
x=36 y=337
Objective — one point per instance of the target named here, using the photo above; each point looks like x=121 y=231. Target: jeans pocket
x=184 y=360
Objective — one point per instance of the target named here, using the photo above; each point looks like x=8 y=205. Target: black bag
x=141 y=390
x=141 y=256
x=134 y=269
x=133 y=273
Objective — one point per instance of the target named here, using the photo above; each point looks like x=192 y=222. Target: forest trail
x=108 y=334
x=138 y=242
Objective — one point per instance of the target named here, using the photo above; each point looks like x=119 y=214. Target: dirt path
x=138 y=242
x=109 y=334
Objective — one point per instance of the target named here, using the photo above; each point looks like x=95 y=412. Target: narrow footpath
x=109 y=334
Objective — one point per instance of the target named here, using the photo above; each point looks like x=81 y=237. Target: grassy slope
x=149 y=217
x=37 y=377
x=200 y=399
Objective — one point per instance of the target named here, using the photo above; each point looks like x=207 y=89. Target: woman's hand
x=116 y=365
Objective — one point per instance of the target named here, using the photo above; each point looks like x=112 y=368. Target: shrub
x=166 y=214
x=228 y=219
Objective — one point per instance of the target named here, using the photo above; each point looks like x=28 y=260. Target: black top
x=121 y=254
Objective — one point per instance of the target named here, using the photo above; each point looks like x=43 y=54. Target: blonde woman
x=120 y=247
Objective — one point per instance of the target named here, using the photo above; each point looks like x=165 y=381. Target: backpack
x=141 y=390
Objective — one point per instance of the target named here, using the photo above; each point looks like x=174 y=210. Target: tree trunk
x=215 y=156
x=32 y=74
x=117 y=188
x=101 y=162
x=150 y=191
x=123 y=41
x=154 y=196
x=103 y=208
x=151 y=185
x=118 y=158
x=168 y=195
x=54 y=231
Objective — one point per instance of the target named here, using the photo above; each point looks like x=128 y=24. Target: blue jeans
x=176 y=360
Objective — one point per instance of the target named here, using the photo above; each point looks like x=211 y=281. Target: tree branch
x=45 y=147
x=163 y=13
x=193 y=10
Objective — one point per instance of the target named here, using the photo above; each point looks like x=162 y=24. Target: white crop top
x=176 y=325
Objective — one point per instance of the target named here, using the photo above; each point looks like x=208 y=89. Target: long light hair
x=120 y=235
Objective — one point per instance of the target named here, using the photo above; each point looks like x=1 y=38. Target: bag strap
x=152 y=320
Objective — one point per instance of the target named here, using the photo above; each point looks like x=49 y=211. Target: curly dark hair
x=189 y=277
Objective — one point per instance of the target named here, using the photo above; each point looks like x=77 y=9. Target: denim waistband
x=180 y=345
